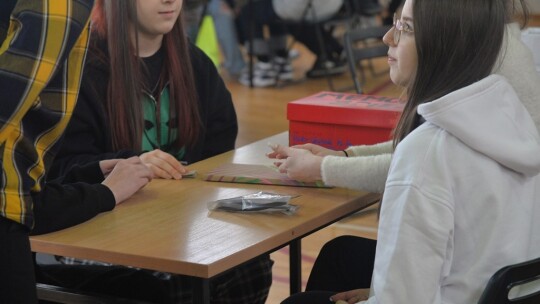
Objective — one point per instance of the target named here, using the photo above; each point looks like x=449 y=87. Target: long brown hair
x=112 y=20
x=457 y=43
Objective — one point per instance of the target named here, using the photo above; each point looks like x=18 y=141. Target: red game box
x=339 y=120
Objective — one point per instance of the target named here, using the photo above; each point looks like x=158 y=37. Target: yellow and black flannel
x=41 y=62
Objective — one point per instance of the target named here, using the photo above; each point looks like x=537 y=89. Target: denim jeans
x=226 y=33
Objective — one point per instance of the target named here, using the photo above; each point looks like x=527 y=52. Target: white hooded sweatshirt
x=462 y=198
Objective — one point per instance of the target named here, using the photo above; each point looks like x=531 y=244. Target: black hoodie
x=87 y=137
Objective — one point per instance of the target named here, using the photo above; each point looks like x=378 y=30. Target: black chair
x=500 y=284
x=364 y=44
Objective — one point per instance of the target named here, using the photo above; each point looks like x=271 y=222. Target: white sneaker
x=284 y=68
x=264 y=75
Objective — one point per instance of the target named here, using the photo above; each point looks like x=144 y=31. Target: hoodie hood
x=489 y=118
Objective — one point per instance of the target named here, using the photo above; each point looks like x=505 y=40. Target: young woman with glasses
x=312 y=162
x=460 y=197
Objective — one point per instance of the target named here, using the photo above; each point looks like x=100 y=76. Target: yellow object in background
x=207 y=39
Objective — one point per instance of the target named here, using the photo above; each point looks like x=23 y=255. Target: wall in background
x=534 y=6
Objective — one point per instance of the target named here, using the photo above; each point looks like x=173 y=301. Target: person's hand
x=315 y=149
x=299 y=164
x=351 y=296
x=127 y=177
x=278 y=151
x=319 y=150
x=107 y=165
x=163 y=165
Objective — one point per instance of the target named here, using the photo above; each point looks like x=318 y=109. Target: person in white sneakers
x=288 y=18
x=273 y=63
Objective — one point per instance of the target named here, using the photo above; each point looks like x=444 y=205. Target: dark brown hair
x=457 y=43
x=112 y=20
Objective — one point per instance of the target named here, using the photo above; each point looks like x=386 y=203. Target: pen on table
x=184 y=163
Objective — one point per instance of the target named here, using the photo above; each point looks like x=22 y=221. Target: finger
x=107 y=165
x=353 y=300
x=174 y=171
x=281 y=167
x=281 y=151
x=162 y=164
x=343 y=296
x=272 y=146
x=281 y=156
x=271 y=154
x=148 y=175
x=133 y=160
x=145 y=172
x=172 y=163
x=276 y=155
x=351 y=296
x=145 y=180
x=303 y=146
x=160 y=173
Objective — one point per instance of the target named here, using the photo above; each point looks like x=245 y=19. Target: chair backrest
x=500 y=284
x=368 y=50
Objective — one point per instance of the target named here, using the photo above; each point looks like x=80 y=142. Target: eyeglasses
x=398 y=28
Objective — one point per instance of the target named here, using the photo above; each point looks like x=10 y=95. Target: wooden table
x=167 y=227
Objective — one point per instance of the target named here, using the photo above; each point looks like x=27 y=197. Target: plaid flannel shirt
x=41 y=62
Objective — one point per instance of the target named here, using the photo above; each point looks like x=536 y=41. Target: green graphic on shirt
x=158 y=137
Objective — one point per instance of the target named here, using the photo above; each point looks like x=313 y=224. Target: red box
x=339 y=120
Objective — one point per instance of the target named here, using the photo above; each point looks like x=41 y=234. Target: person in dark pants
x=22 y=161
x=329 y=60
x=272 y=63
x=344 y=263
